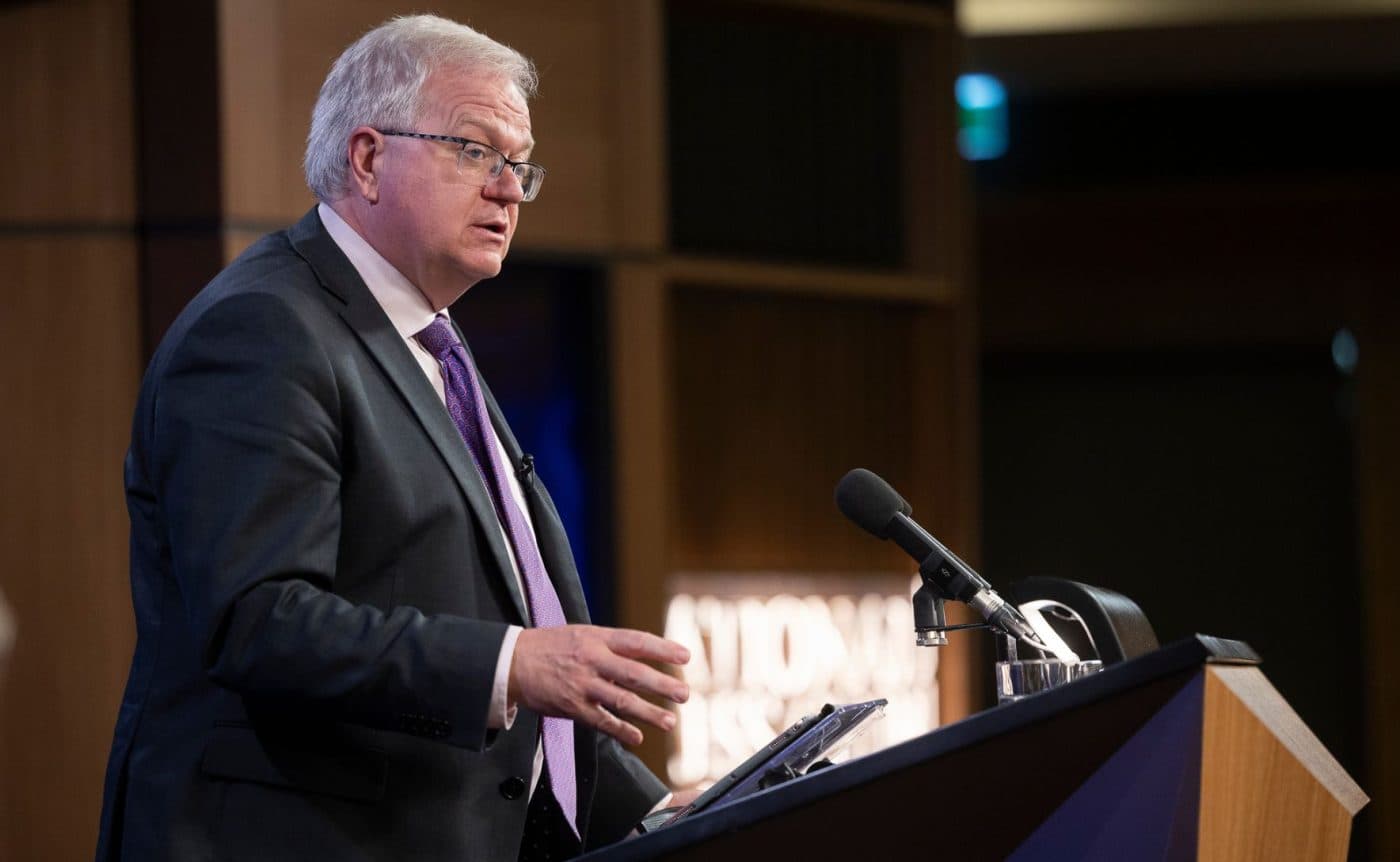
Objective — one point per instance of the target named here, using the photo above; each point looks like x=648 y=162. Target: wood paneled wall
x=69 y=361
x=783 y=395
x=71 y=145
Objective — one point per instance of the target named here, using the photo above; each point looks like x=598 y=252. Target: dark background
x=1184 y=221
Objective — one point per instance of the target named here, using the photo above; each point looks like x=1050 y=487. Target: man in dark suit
x=360 y=630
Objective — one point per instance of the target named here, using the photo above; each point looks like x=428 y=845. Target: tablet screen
x=790 y=754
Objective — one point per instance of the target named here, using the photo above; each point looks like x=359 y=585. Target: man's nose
x=505 y=186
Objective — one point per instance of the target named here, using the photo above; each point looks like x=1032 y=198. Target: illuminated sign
x=768 y=649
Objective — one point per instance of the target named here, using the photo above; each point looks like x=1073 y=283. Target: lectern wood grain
x=1269 y=790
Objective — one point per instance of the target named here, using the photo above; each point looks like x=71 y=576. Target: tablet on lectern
x=789 y=755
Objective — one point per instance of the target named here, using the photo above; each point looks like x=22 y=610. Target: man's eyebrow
x=487 y=132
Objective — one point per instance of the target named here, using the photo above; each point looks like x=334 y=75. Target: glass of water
x=1018 y=679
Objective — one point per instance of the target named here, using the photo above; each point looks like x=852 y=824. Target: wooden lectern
x=1184 y=753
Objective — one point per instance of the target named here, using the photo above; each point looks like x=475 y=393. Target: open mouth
x=495 y=230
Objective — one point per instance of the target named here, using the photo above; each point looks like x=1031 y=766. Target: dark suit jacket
x=321 y=589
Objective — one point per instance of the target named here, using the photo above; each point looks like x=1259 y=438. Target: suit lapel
x=550 y=536
x=371 y=325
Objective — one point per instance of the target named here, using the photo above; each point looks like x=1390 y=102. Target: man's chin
x=482 y=266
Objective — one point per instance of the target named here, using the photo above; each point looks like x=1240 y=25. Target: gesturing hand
x=595 y=675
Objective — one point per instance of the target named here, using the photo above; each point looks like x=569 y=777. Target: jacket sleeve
x=245 y=439
x=627 y=791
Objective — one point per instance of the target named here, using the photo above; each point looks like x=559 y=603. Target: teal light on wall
x=1345 y=351
x=981 y=116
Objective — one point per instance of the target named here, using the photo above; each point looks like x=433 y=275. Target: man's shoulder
x=269 y=281
x=274 y=266
x=270 y=264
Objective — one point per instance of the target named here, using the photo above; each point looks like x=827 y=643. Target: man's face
x=437 y=226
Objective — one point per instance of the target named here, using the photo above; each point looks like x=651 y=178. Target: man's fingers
x=621 y=702
x=602 y=720
x=597 y=676
x=635 y=676
x=646 y=646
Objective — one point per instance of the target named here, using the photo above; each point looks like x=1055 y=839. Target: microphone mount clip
x=930 y=618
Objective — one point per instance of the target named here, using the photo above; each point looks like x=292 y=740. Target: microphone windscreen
x=869 y=501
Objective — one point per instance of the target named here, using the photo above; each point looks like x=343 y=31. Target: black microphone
x=878 y=509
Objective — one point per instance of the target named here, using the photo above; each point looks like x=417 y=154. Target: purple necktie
x=468 y=410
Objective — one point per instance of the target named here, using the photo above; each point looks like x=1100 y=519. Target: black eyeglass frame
x=501 y=158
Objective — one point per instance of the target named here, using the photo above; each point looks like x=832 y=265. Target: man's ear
x=364 y=149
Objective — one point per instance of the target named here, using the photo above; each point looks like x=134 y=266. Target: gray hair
x=377 y=81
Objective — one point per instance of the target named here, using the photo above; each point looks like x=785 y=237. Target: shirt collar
x=404 y=304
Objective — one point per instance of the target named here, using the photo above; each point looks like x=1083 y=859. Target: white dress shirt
x=410 y=313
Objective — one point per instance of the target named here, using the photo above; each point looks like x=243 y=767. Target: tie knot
x=438 y=338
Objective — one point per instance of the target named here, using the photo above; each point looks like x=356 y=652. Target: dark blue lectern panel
x=1142 y=799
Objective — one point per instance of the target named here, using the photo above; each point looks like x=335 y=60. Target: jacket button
x=513 y=787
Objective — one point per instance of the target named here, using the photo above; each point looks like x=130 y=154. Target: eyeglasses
x=483 y=162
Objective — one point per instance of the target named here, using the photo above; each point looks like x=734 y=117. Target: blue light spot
x=977 y=92
x=981 y=116
x=1345 y=351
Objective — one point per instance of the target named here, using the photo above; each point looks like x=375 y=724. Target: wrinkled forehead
x=456 y=98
